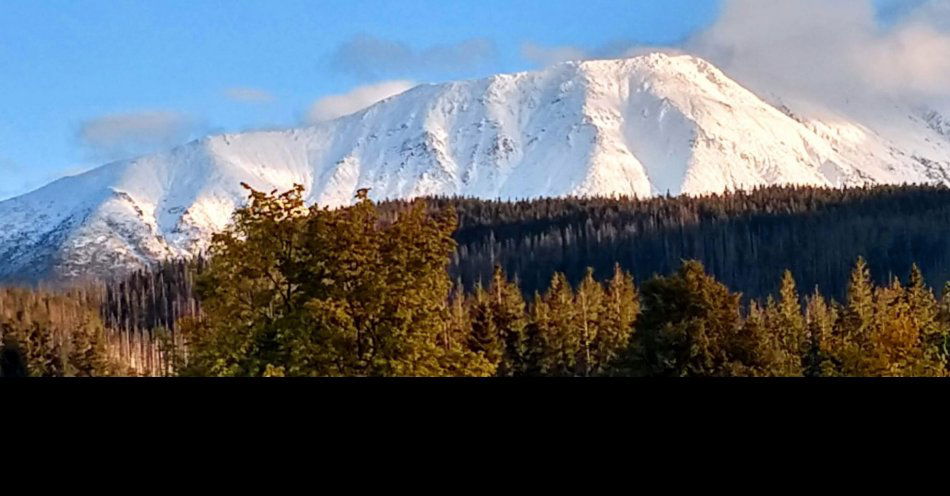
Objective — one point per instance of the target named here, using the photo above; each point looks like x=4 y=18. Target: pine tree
x=538 y=333
x=853 y=345
x=498 y=325
x=925 y=312
x=620 y=310
x=589 y=302
x=755 y=350
x=88 y=355
x=943 y=319
x=561 y=334
x=688 y=325
x=787 y=325
x=509 y=312
x=485 y=338
x=820 y=317
x=894 y=340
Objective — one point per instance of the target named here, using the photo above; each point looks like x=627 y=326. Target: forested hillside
x=745 y=239
x=374 y=290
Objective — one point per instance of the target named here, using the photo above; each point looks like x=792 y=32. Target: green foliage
x=44 y=334
x=820 y=318
x=558 y=335
x=303 y=291
x=621 y=307
x=498 y=325
x=787 y=330
x=690 y=326
x=745 y=238
x=291 y=290
x=297 y=291
x=583 y=332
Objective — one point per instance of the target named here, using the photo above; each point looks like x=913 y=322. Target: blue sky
x=85 y=82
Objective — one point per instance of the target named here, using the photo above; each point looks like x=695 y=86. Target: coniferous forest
x=772 y=282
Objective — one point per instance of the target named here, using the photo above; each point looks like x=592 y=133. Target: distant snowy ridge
x=642 y=126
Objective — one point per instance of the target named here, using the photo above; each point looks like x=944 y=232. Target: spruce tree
x=787 y=325
x=498 y=325
x=854 y=343
x=589 y=302
x=485 y=337
x=561 y=335
x=925 y=312
x=688 y=325
x=820 y=317
x=537 y=338
x=620 y=310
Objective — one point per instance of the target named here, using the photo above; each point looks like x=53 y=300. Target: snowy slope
x=648 y=125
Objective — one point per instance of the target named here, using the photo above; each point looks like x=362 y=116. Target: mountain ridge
x=642 y=126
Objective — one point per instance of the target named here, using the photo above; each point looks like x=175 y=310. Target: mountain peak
x=638 y=126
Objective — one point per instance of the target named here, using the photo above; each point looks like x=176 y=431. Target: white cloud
x=249 y=95
x=122 y=135
x=370 y=57
x=816 y=47
x=334 y=106
x=545 y=56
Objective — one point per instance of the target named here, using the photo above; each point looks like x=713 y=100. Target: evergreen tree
x=561 y=336
x=538 y=333
x=589 y=302
x=88 y=355
x=756 y=353
x=787 y=325
x=925 y=311
x=689 y=325
x=485 y=337
x=894 y=339
x=821 y=318
x=620 y=310
x=943 y=320
x=853 y=343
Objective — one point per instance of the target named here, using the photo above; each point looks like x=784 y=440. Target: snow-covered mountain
x=642 y=126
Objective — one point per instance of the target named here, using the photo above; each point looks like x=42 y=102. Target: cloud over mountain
x=121 y=135
x=818 y=47
x=813 y=48
x=333 y=106
x=371 y=57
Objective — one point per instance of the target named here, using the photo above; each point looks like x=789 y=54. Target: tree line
x=52 y=334
x=743 y=238
x=367 y=290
